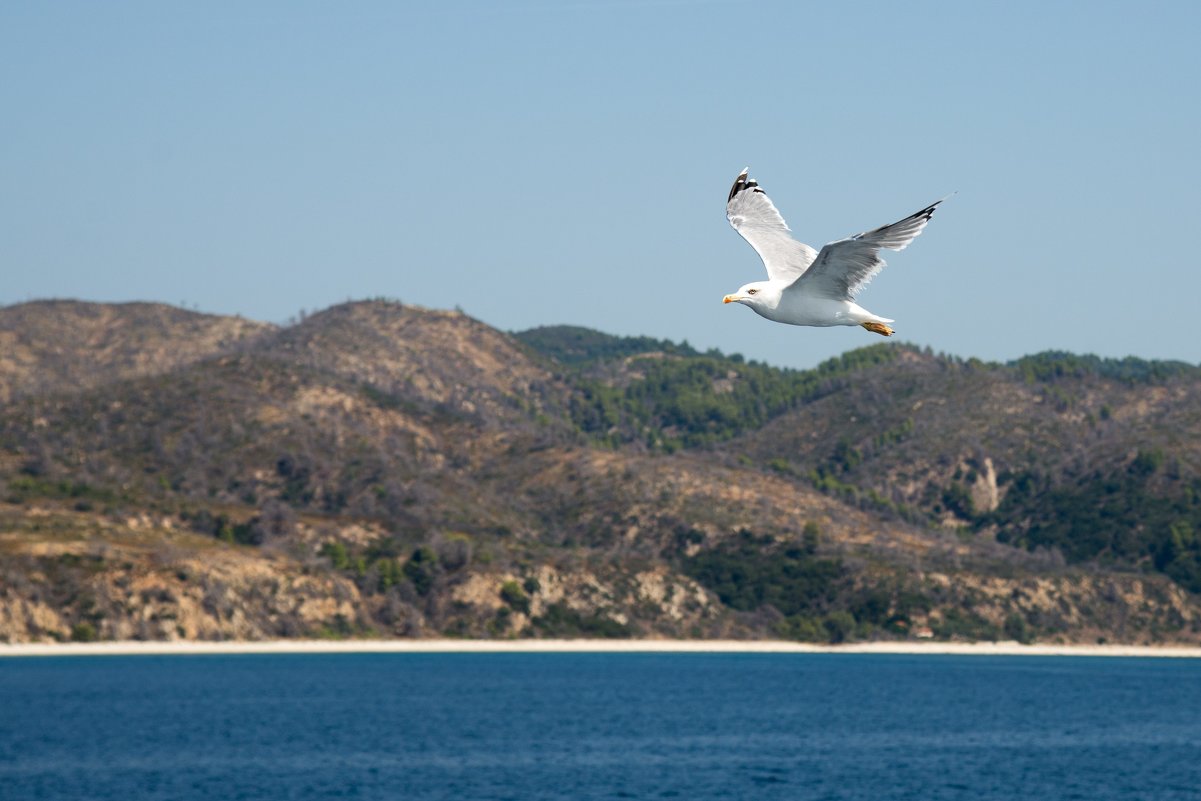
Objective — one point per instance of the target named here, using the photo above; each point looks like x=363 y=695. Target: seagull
x=808 y=287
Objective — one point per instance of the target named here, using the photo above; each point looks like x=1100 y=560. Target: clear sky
x=547 y=161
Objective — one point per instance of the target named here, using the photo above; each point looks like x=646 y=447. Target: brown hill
x=385 y=469
x=432 y=359
x=54 y=345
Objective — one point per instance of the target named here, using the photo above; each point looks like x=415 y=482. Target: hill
x=382 y=469
x=55 y=345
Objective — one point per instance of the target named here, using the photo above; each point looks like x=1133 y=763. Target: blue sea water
x=584 y=726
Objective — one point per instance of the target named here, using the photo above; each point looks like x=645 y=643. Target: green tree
x=811 y=537
x=513 y=595
x=336 y=553
x=840 y=625
x=421 y=569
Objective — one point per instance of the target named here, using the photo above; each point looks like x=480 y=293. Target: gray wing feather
x=844 y=267
x=756 y=219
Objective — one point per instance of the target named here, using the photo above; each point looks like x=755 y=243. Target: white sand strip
x=582 y=646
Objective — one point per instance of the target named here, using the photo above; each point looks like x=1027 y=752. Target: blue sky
x=568 y=162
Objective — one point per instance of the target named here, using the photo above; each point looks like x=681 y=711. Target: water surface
x=581 y=726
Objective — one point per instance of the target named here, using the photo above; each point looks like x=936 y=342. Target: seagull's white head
x=759 y=295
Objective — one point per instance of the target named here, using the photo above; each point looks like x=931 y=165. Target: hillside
x=54 y=345
x=380 y=469
x=1096 y=459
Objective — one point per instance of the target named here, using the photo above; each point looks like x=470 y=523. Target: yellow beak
x=729 y=299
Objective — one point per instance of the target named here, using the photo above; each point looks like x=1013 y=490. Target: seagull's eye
x=751 y=291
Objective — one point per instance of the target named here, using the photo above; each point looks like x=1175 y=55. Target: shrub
x=513 y=595
x=1016 y=628
x=421 y=569
x=84 y=632
x=562 y=621
x=840 y=625
x=752 y=572
x=337 y=555
x=454 y=552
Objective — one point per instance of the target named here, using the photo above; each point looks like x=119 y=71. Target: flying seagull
x=808 y=287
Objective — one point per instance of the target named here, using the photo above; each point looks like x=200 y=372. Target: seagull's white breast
x=797 y=308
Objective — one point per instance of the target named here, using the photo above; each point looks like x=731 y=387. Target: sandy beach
x=180 y=648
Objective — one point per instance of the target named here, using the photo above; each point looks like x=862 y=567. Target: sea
x=599 y=726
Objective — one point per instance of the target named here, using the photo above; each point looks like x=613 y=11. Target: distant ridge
x=54 y=345
x=574 y=345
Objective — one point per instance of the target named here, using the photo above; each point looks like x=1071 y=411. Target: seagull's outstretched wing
x=844 y=267
x=753 y=215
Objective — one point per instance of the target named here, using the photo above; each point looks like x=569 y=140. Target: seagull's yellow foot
x=878 y=328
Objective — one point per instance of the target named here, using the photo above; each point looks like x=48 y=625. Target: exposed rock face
x=152 y=583
x=672 y=602
x=1078 y=608
x=986 y=497
x=149 y=583
x=23 y=620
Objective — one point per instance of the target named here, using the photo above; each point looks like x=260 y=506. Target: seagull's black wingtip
x=741 y=183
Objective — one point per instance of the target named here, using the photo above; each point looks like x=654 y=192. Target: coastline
x=184 y=648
